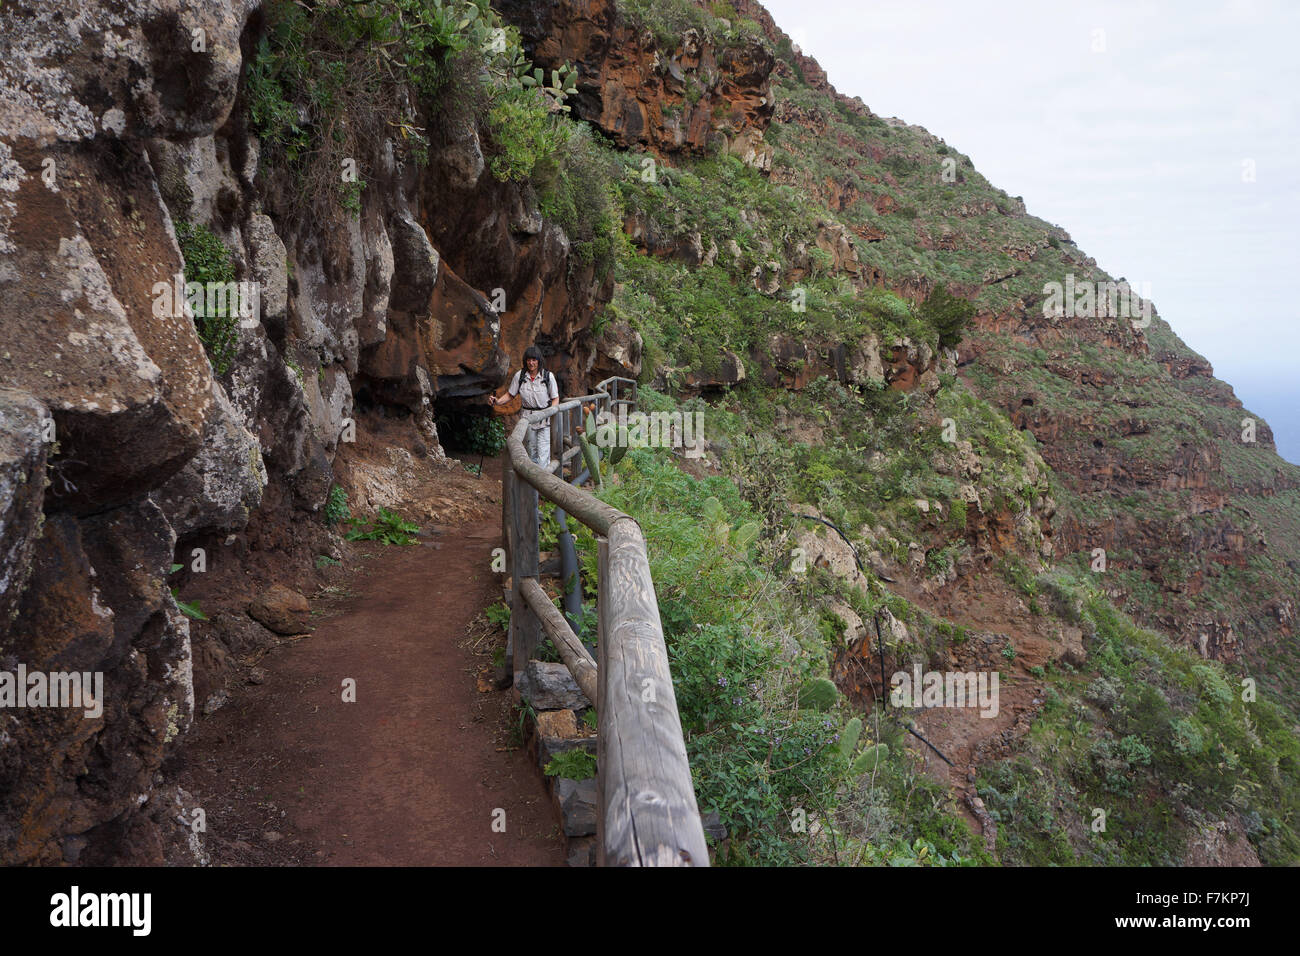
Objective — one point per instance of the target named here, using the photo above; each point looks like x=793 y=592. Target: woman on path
x=537 y=388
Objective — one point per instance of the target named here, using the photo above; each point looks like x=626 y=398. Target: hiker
x=536 y=387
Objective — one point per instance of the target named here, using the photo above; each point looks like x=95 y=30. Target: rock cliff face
x=696 y=96
x=113 y=397
x=116 y=125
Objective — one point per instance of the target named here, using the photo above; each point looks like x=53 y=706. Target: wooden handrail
x=647 y=814
x=591 y=511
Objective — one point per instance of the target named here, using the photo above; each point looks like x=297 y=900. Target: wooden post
x=557 y=439
x=525 y=628
x=603 y=726
x=507 y=489
x=647 y=798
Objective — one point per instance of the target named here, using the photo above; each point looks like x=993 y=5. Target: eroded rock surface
x=124 y=450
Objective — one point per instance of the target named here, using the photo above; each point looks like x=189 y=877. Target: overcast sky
x=1137 y=126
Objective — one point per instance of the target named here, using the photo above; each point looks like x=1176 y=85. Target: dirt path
x=409 y=774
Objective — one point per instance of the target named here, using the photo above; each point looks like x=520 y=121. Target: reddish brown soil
x=984 y=603
x=409 y=774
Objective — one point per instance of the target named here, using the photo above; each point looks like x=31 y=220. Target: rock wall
x=106 y=401
x=121 y=451
x=699 y=95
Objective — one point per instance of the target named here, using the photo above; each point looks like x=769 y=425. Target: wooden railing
x=646 y=813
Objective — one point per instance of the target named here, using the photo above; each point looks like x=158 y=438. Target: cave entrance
x=468 y=428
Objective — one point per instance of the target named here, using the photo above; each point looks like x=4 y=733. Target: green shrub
x=318 y=96
x=329 y=84
x=1212 y=685
x=573 y=174
x=666 y=20
x=578 y=193
x=1188 y=738
x=487 y=435
x=575 y=764
x=1132 y=749
x=207 y=260
x=498 y=614
x=350 y=196
x=336 y=506
x=388 y=528
x=947 y=314
x=522 y=134
x=900 y=165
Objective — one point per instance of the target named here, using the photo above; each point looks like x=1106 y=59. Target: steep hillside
x=1156 y=461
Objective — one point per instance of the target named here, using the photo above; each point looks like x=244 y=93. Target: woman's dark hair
x=533 y=352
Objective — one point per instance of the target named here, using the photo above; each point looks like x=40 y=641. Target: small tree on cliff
x=947 y=314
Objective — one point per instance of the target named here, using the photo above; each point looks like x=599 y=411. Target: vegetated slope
x=788 y=272
x=1156 y=460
